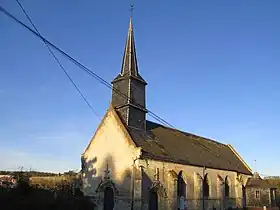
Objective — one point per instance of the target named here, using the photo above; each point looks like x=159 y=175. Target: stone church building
x=133 y=163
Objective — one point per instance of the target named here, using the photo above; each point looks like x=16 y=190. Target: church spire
x=132 y=108
x=129 y=62
x=129 y=65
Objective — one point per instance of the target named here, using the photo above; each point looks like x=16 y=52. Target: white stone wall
x=110 y=147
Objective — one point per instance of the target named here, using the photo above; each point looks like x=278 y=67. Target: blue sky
x=212 y=69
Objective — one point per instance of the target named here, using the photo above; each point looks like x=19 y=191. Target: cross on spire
x=129 y=64
x=131 y=10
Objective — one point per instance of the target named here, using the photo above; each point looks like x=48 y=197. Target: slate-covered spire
x=129 y=63
x=132 y=108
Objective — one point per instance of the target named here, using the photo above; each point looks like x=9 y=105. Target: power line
x=59 y=63
x=77 y=63
x=83 y=67
x=100 y=79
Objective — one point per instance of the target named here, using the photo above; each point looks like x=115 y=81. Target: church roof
x=167 y=144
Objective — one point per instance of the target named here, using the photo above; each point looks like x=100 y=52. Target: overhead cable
x=82 y=66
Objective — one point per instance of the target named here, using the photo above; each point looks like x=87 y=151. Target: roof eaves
x=240 y=158
x=147 y=155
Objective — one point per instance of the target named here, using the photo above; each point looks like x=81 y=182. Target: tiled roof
x=257 y=182
x=167 y=144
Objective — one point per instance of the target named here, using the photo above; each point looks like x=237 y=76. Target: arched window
x=181 y=193
x=244 y=195
x=226 y=187
x=181 y=185
x=205 y=186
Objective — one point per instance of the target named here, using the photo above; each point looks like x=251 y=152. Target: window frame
x=257 y=194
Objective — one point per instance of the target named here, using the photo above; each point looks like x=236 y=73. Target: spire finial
x=131 y=9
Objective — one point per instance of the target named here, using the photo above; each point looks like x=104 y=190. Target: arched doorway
x=153 y=200
x=108 y=198
x=157 y=196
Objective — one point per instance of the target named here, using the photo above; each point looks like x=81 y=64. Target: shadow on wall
x=89 y=173
x=154 y=192
x=105 y=182
x=146 y=184
x=93 y=179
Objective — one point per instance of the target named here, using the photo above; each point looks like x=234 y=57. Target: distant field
x=51 y=181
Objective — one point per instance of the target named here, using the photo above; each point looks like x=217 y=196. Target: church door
x=153 y=202
x=108 y=199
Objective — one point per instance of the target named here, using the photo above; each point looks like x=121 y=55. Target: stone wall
x=108 y=162
x=193 y=176
x=251 y=199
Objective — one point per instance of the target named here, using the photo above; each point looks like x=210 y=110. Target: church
x=133 y=163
